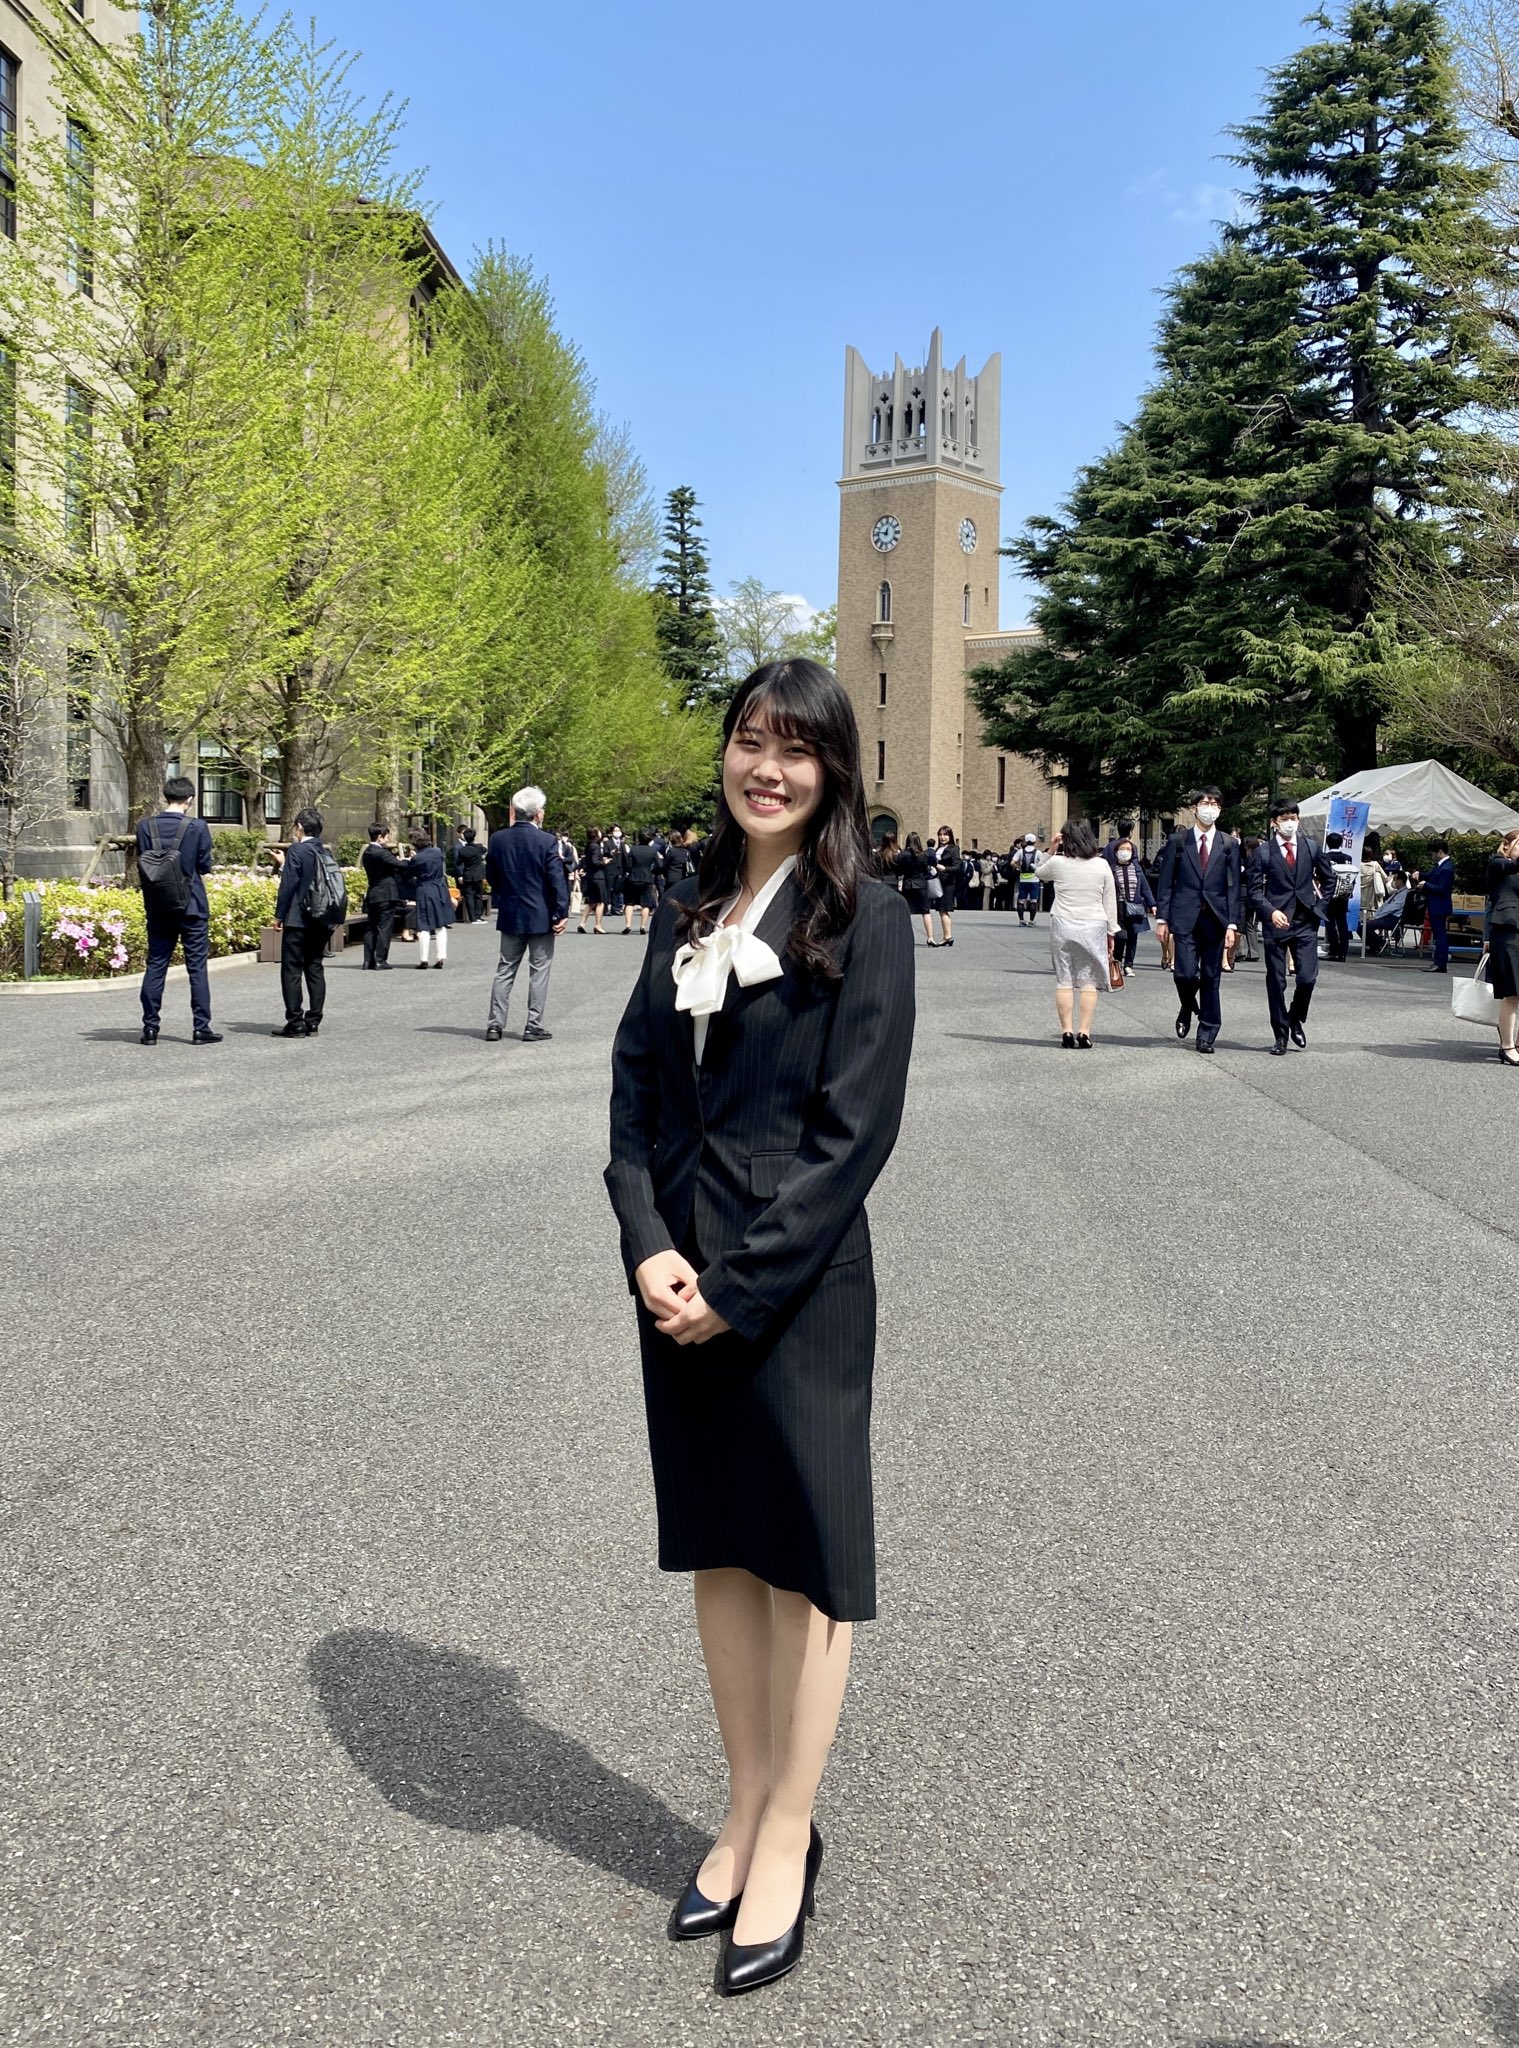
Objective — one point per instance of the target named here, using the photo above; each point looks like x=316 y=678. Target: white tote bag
x=1473 y=1001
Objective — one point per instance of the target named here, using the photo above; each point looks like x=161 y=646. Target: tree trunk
x=145 y=773
x=1355 y=734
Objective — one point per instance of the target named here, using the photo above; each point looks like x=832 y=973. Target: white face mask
x=1124 y=858
x=1207 y=814
x=1287 y=827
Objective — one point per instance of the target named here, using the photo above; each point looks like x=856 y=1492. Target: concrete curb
x=106 y=984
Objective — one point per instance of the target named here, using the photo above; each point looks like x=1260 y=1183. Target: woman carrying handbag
x=1503 y=943
x=758 y=1080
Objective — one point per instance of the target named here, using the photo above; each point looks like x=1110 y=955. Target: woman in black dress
x=913 y=866
x=427 y=885
x=593 y=881
x=758 y=1079
x=1503 y=943
x=949 y=867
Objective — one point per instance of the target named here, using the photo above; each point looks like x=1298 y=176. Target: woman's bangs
x=771 y=708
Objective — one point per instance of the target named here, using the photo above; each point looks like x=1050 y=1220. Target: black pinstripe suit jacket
x=765 y=1153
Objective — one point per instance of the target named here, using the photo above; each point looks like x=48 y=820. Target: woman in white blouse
x=1083 y=926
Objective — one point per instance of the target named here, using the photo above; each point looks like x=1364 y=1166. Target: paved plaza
x=343 y=1704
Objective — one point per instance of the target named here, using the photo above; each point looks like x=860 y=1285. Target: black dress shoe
x=289 y=1031
x=385 y=966
x=1083 y=1042
x=312 y=1026
x=1068 y=1040
x=1432 y=969
x=746 y=1966
x=1299 y=1035
x=1184 y=1021
x=1204 y=1044
x=534 y=1033
x=695 y=1915
x=149 y=1035
x=206 y=1037
x=492 y=1033
x=1279 y=1048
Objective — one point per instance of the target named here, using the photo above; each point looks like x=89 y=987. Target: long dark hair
x=798 y=700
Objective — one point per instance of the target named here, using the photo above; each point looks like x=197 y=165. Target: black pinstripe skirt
x=762 y=1451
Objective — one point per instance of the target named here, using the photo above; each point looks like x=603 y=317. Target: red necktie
x=1290 y=850
x=1203 y=851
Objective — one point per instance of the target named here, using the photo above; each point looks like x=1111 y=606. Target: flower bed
x=97 y=932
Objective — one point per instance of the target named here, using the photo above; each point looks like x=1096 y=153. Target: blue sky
x=722 y=197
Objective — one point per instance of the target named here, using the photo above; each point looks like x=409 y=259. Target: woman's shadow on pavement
x=443 y=1736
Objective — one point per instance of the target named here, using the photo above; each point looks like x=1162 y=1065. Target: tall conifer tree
x=689 y=640
x=1221 y=576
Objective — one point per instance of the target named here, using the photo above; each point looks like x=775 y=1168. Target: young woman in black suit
x=758 y=1079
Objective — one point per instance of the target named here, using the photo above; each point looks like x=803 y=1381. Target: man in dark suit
x=382 y=866
x=1200 y=905
x=302 y=943
x=1439 y=885
x=532 y=896
x=1291 y=879
x=171 y=924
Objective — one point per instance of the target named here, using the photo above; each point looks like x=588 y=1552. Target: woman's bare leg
x=1508 y=1019
x=735 y=1615
x=928 y=928
x=810 y=1668
x=1088 y=1010
x=1063 y=1000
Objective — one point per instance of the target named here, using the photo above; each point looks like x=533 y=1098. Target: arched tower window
x=875 y=426
x=888 y=422
x=965 y=606
x=883 y=604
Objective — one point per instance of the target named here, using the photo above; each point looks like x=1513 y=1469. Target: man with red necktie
x=1290 y=878
x=1200 y=906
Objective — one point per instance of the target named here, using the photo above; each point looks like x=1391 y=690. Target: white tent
x=1421 y=796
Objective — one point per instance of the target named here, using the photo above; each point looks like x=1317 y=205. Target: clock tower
x=919 y=531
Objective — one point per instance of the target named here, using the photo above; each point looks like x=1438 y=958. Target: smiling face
x=771 y=784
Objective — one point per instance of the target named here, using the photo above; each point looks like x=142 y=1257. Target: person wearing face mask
x=1026 y=860
x=1199 y=904
x=1290 y=877
x=1136 y=902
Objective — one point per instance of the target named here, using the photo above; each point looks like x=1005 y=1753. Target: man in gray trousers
x=532 y=896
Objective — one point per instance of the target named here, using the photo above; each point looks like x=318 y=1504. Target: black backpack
x=160 y=874
x=326 y=897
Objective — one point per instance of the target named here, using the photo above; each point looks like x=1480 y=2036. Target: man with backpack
x=313 y=898
x=173 y=852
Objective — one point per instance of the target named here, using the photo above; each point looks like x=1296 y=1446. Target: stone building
x=919 y=530
x=82 y=772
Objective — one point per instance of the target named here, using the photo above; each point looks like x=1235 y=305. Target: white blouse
x=701 y=971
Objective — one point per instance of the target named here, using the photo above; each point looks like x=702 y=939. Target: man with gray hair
x=532 y=898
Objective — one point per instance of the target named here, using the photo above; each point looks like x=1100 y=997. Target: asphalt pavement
x=341 y=1701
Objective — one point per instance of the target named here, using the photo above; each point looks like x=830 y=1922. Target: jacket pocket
x=766 y=1172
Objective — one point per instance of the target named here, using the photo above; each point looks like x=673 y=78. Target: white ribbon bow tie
x=701 y=972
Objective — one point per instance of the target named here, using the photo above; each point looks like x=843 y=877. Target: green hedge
x=94 y=934
x=1469 y=851
x=237 y=846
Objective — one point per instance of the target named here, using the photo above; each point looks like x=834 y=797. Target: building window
x=274 y=796
x=883 y=604
x=875 y=426
x=1001 y=779
x=965 y=606
x=221 y=790
x=881 y=683
x=79 y=438
x=81 y=155
x=10 y=76
x=79 y=732
x=880 y=760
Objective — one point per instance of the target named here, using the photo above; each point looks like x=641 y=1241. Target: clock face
x=886 y=533
x=968 y=536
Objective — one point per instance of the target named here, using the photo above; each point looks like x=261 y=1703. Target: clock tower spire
x=918 y=538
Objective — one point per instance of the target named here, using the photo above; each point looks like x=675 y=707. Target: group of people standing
x=1206 y=885
x=626 y=876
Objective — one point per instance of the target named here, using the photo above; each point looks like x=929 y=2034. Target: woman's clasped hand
x=667 y=1285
